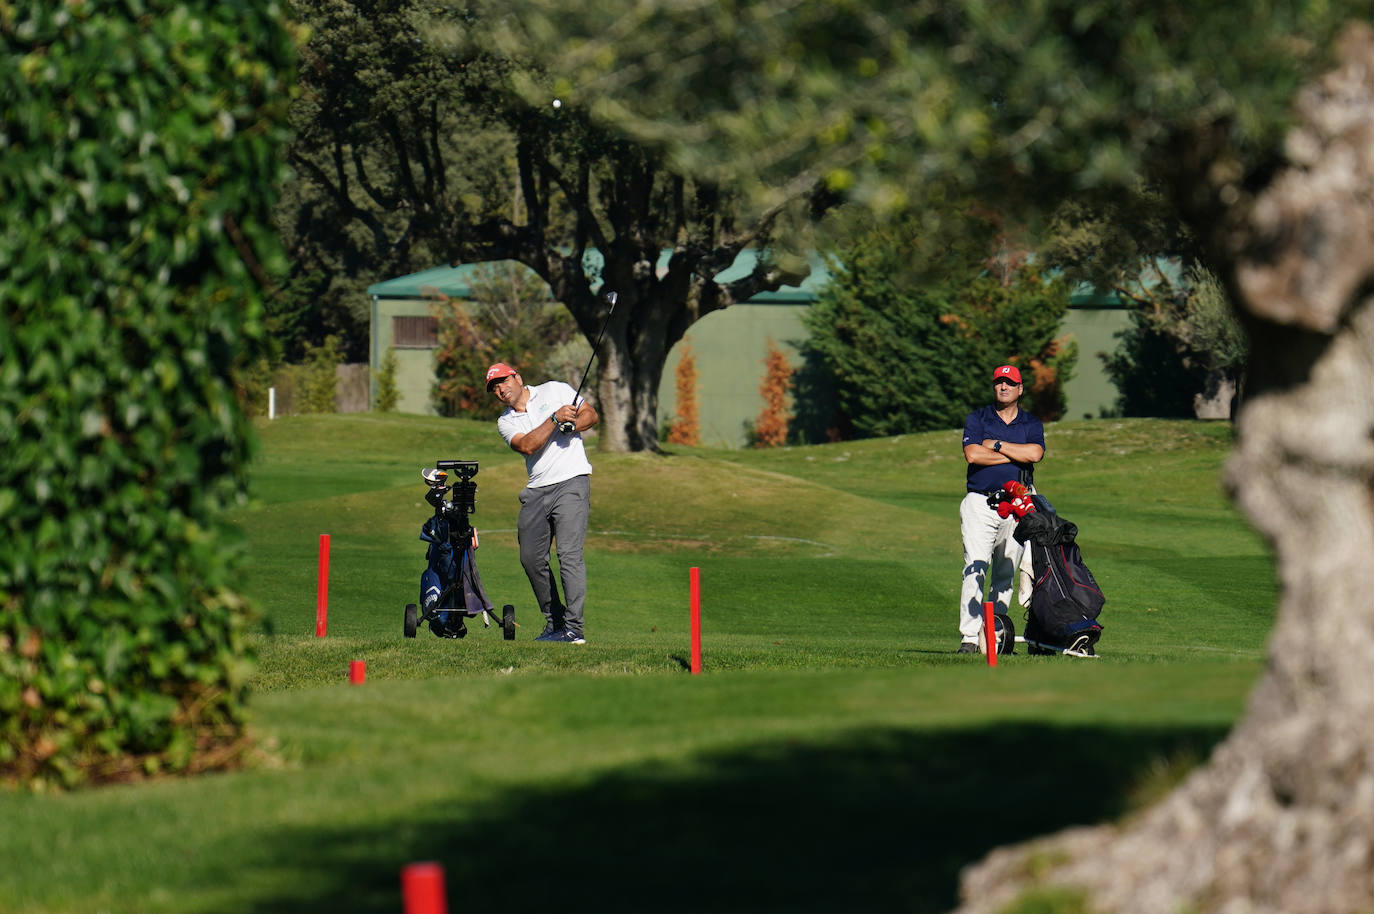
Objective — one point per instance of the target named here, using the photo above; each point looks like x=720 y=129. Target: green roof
x=453 y=282
x=456 y=282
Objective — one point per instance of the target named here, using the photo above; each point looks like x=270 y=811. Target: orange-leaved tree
x=770 y=429
x=686 y=427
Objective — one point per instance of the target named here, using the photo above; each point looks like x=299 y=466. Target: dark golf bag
x=450 y=588
x=1066 y=599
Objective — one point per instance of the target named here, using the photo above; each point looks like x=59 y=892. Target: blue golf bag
x=450 y=587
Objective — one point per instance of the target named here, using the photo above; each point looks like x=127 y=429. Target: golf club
x=567 y=428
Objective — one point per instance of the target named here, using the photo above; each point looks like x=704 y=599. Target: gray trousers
x=556 y=513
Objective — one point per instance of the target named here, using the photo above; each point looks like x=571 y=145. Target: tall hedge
x=138 y=160
x=913 y=322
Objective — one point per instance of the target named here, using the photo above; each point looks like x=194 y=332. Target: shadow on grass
x=883 y=822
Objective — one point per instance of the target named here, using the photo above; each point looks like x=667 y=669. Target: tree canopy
x=1184 y=353
x=914 y=321
x=890 y=101
x=413 y=146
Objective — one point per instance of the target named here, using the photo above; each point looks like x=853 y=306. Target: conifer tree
x=686 y=425
x=770 y=428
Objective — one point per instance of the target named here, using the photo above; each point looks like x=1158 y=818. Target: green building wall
x=414 y=364
x=729 y=347
x=1090 y=392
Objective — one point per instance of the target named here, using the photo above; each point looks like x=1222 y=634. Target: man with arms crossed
x=1002 y=443
x=556 y=504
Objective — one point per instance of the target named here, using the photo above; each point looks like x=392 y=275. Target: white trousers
x=992 y=558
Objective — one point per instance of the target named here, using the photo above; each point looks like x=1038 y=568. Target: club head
x=611 y=297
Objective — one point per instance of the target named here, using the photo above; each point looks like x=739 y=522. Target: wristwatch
x=997 y=446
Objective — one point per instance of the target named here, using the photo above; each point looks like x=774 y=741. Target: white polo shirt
x=563 y=456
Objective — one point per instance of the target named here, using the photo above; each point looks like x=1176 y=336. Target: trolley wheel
x=508 y=622
x=412 y=619
x=1006 y=633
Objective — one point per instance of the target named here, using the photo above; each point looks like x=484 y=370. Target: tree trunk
x=1281 y=819
x=628 y=393
x=1216 y=398
x=652 y=314
x=631 y=356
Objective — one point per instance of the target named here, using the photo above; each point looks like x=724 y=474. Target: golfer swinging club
x=556 y=504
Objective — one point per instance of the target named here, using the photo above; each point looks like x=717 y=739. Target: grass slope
x=836 y=754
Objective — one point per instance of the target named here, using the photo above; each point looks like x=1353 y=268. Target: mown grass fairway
x=836 y=755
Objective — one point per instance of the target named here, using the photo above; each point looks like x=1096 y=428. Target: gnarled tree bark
x=1281 y=819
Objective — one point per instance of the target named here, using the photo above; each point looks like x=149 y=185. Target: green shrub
x=388 y=393
x=254 y=384
x=912 y=324
x=320 y=377
x=140 y=151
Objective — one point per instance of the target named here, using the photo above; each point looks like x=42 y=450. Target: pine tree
x=686 y=428
x=388 y=394
x=770 y=428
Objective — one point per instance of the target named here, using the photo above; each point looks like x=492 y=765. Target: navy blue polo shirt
x=985 y=423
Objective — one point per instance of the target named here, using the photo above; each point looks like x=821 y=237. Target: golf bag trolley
x=450 y=587
x=1065 y=597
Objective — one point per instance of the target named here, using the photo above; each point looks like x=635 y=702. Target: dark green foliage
x=897 y=367
x=912 y=326
x=1150 y=375
x=320 y=376
x=886 y=99
x=313 y=303
x=390 y=154
x=1184 y=340
x=1179 y=346
x=255 y=380
x=1184 y=337
x=139 y=159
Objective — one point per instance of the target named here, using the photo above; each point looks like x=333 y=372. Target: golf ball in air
x=558 y=103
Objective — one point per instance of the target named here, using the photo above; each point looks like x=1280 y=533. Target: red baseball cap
x=1006 y=371
x=499 y=372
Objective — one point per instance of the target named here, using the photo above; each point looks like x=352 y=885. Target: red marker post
x=422 y=889
x=694 y=579
x=357 y=671
x=990 y=633
x=322 y=592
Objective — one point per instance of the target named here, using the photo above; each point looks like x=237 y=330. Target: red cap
x=498 y=372
x=1006 y=371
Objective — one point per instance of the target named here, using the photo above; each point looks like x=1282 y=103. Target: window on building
x=414 y=332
